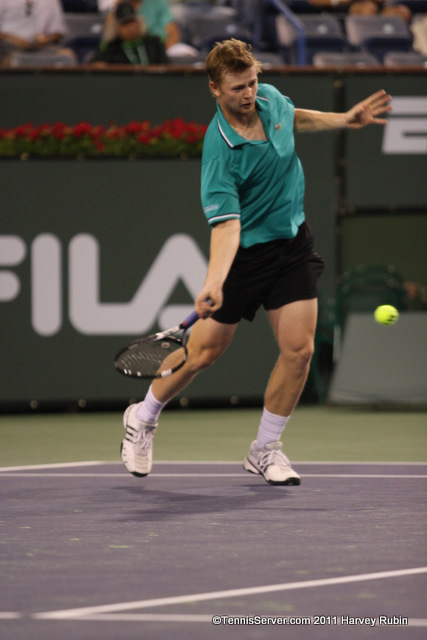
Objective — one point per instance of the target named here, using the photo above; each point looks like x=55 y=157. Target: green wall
x=397 y=239
x=67 y=309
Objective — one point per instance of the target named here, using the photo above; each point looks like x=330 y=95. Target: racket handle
x=192 y=318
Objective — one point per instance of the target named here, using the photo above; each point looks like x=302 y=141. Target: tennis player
x=261 y=251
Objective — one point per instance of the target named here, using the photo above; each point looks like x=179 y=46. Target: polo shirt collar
x=231 y=136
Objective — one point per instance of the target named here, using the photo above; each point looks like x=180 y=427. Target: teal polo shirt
x=157 y=16
x=260 y=183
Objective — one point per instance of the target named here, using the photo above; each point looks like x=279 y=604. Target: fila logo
x=406 y=130
x=180 y=259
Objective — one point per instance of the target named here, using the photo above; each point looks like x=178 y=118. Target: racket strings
x=152 y=358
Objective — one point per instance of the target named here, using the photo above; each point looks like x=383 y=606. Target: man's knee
x=299 y=355
x=203 y=358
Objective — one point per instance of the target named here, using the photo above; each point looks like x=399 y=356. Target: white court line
x=67 y=614
x=125 y=475
x=160 y=617
x=145 y=617
x=360 y=475
x=89 y=463
x=302 y=462
x=54 y=465
x=197 y=476
x=417 y=622
x=178 y=617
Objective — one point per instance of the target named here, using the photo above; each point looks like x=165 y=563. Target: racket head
x=152 y=357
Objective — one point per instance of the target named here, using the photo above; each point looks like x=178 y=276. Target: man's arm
x=225 y=238
x=361 y=115
x=30 y=45
x=44 y=40
x=173 y=34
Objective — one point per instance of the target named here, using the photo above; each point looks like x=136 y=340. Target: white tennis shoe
x=137 y=447
x=271 y=463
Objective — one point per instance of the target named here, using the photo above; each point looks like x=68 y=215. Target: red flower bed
x=172 y=139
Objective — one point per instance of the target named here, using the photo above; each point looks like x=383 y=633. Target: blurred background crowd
x=144 y=32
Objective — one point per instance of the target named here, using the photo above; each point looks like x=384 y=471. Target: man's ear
x=214 y=89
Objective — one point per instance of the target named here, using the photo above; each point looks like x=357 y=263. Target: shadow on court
x=90 y=551
x=167 y=506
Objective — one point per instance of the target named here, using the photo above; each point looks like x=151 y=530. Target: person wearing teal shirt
x=272 y=207
x=158 y=18
x=261 y=251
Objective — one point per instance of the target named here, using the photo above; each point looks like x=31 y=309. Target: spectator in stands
x=400 y=10
x=158 y=19
x=365 y=8
x=373 y=8
x=419 y=31
x=340 y=5
x=30 y=25
x=132 y=44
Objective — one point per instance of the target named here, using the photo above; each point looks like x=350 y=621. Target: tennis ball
x=386 y=314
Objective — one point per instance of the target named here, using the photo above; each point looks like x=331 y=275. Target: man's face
x=129 y=30
x=236 y=92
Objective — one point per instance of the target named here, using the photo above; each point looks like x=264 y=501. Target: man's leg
x=294 y=326
x=208 y=340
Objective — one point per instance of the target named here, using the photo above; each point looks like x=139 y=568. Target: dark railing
x=297 y=24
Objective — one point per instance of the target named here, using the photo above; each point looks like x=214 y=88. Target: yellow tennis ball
x=386 y=314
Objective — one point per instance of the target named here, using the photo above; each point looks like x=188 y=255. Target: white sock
x=270 y=428
x=149 y=410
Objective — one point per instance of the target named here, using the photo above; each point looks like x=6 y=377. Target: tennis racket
x=158 y=355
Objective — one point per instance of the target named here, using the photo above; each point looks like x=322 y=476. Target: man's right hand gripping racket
x=158 y=355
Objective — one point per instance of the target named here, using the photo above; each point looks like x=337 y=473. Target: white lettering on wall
x=12 y=252
x=179 y=260
x=46 y=284
x=406 y=130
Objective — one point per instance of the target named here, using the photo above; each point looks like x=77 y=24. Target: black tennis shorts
x=271 y=274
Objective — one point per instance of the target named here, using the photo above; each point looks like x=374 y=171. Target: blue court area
x=202 y=549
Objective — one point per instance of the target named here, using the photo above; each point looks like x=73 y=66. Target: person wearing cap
x=157 y=16
x=133 y=45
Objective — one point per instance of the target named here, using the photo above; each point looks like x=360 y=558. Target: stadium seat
x=405 y=59
x=323 y=32
x=233 y=31
x=84 y=24
x=345 y=59
x=378 y=34
x=204 y=23
x=269 y=58
x=191 y=61
x=84 y=31
x=83 y=46
x=246 y=11
x=46 y=58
